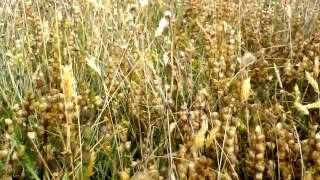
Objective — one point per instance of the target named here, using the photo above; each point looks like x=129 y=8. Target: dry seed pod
x=255 y=157
x=124 y=175
x=316 y=153
x=3 y=153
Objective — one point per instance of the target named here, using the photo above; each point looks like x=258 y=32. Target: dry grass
x=193 y=89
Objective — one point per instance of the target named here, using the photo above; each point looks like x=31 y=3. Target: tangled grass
x=189 y=89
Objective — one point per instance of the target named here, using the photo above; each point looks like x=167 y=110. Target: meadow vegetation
x=185 y=89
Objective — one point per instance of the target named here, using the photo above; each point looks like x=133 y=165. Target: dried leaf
x=162 y=25
x=312 y=82
x=278 y=74
x=313 y=105
x=245 y=90
x=92 y=64
x=172 y=126
x=301 y=108
x=204 y=126
x=296 y=90
x=212 y=136
x=297 y=93
x=200 y=137
x=166 y=58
